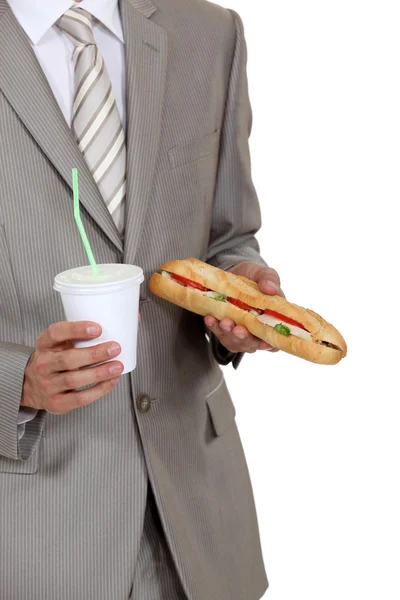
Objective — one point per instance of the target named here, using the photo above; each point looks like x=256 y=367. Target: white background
x=323 y=443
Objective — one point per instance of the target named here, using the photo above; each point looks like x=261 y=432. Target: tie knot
x=77 y=24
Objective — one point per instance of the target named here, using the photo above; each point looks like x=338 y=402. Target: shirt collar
x=36 y=18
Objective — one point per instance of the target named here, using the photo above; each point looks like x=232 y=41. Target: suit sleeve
x=13 y=361
x=236 y=210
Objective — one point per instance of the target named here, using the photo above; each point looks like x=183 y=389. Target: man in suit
x=137 y=486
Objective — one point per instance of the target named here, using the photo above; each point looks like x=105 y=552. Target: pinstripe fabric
x=72 y=493
x=155 y=576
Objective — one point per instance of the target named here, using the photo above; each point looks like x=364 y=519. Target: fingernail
x=272 y=285
x=115 y=380
x=93 y=330
x=114 y=349
x=240 y=336
x=116 y=369
x=210 y=324
x=226 y=329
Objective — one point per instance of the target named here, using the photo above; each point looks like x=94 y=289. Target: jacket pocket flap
x=182 y=155
x=222 y=409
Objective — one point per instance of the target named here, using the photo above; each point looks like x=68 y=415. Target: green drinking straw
x=79 y=223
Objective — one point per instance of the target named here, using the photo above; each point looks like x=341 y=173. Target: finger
x=216 y=329
x=250 y=341
x=246 y=340
x=210 y=321
x=274 y=275
x=220 y=327
x=227 y=324
x=65 y=331
x=266 y=346
x=269 y=281
x=235 y=337
x=71 y=380
x=243 y=342
x=70 y=360
x=241 y=335
x=268 y=286
x=63 y=403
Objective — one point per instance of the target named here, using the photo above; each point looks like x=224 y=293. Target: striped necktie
x=96 y=122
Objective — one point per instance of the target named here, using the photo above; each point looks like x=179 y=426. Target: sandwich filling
x=282 y=324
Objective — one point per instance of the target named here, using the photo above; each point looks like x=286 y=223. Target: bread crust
x=236 y=286
x=193 y=300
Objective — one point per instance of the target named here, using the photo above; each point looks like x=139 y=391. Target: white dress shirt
x=54 y=52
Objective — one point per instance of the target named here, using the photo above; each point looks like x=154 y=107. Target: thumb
x=267 y=283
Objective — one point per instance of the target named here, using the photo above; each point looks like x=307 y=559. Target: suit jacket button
x=144 y=403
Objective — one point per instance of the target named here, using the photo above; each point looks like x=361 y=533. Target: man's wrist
x=24 y=403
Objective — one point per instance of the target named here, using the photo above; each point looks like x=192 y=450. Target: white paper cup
x=111 y=299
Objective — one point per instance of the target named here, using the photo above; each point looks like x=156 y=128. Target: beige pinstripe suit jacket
x=69 y=509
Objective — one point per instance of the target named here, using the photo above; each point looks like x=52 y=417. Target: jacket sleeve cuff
x=228 y=260
x=222 y=355
x=13 y=361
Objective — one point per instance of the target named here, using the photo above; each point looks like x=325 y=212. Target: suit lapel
x=146 y=65
x=24 y=84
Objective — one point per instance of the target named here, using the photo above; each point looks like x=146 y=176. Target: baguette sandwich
x=206 y=290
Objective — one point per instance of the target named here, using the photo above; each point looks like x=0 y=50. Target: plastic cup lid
x=110 y=278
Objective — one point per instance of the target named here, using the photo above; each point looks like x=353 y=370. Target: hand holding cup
x=56 y=369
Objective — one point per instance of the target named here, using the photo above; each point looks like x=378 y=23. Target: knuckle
x=225 y=333
x=46 y=386
x=105 y=387
x=41 y=363
x=103 y=374
x=98 y=375
x=62 y=361
x=95 y=353
x=77 y=330
x=82 y=398
x=55 y=405
x=52 y=333
x=68 y=381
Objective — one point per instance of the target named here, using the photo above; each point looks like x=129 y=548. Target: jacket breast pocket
x=194 y=151
x=10 y=314
x=190 y=183
x=222 y=409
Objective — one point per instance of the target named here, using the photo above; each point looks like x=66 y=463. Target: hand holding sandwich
x=237 y=338
x=250 y=304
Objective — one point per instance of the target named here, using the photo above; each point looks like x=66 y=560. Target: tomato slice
x=243 y=305
x=287 y=320
x=239 y=303
x=272 y=313
x=189 y=282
